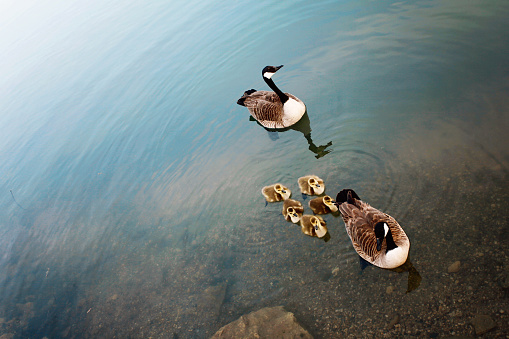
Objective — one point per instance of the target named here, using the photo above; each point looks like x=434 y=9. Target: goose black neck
x=390 y=242
x=283 y=97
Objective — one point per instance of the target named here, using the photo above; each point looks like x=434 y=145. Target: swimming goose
x=323 y=205
x=292 y=210
x=311 y=185
x=276 y=192
x=273 y=109
x=367 y=228
x=314 y=226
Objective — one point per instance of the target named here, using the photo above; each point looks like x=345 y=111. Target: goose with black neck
x=273 y=109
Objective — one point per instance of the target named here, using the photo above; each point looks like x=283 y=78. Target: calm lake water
x=130 y=179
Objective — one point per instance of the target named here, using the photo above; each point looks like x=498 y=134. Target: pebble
x=393 y=322
x=389 y=289
x=482 y=324
x=456 y=313
x=454 y=267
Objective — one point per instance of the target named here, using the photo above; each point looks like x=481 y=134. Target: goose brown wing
x=374 y=216
x=359 y=222
x=265 y=107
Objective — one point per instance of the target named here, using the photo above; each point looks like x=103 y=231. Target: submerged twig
x=16 y=201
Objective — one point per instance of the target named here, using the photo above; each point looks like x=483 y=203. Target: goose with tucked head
x=273 y=109
x=292 y=210
x=311 y=185
x=314 y=226
x=376 y=236
x=323 y=205
x=276 y=192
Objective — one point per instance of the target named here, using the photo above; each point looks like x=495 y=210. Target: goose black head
x=381 y=230
x=268 y=71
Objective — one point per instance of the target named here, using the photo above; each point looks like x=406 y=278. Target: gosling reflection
x=303 y=126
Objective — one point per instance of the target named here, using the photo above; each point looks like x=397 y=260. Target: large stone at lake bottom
x=269 y=322
x=482 y=324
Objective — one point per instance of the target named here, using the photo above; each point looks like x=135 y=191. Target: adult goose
x=376 y=236
x=273 y=109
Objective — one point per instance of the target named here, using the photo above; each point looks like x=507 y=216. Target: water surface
x=130 y=179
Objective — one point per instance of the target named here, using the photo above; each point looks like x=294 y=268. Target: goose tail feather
x=244 y=96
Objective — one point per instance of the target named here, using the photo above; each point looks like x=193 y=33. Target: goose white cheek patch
x=268 y=75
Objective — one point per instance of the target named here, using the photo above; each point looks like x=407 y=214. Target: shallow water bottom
x=191 y=290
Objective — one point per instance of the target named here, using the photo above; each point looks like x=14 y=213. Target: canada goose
x=276 y=192
x=323 y=205
x=273 y=109
x=292 y=210
x=314 y=226
x=367 y=228
x=311 y=185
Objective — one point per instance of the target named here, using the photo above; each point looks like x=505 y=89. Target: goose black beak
x=379 y=243
x=278 y=67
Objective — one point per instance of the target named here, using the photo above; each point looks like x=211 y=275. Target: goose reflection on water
x=303 y=126
x=414 y=278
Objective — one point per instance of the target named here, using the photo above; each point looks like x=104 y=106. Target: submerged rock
x=269 y=322
x=482 y=324
x=454 y=267
x=393 y=322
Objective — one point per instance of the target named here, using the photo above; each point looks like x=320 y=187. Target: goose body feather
x=360 y=219
x=269 y=111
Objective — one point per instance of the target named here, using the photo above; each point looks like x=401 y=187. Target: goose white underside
x=293 y=110
x=394 y=258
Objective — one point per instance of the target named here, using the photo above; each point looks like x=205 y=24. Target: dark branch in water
x=16 y=201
